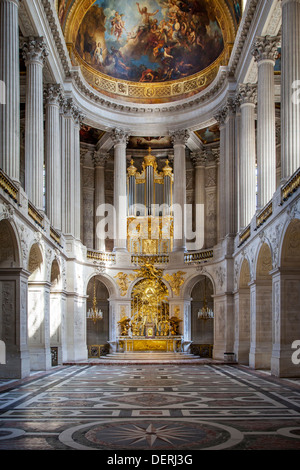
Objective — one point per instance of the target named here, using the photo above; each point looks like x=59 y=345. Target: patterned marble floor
x=150 y=407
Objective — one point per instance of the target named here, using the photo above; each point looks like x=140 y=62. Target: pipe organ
x=150 y=199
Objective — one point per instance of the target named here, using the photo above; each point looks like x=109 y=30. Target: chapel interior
x=149 y=182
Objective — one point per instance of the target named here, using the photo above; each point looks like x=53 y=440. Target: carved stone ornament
x=119 y=136
x=180 y=137
x=35 y=50
x=247 y=94
x=266 y=48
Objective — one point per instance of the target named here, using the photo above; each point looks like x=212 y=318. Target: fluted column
x=99 y=162
x=247 y=175
x=290 y=76
x=221 y=119
x=120 y=140
x=53 y=97
x=34 y=54
x=199 y=161
x=265 y=52
x=10 y=87
x=179 y=139
x=71 y=200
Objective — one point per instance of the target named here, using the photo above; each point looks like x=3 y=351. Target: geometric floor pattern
x=150 y=407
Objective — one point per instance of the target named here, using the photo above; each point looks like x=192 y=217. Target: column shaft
x=290 y=75
x=99 y=161
x=179 y=199
x=120 y=139
x=247 y=175
x=265 y=52
x=34 y=53
x=10 y=89
x=53 y=156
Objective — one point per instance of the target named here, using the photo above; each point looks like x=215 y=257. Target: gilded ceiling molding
x=84 y=88
x=140 y=92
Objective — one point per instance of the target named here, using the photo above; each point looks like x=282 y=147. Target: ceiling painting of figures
x=151 y=41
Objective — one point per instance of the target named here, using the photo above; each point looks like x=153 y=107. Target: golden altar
x=142 y=344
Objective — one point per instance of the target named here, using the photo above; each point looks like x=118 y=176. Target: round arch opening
x=97 y=330
x=202 y=329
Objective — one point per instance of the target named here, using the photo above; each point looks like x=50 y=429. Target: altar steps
x=153 y=357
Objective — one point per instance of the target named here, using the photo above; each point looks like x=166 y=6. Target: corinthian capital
x=70 y=110
x=119 y=136
x=247 y=94
x=100 y=159
x=265 y=48
x=53 y=95
x=35 y=50
x=180 y=137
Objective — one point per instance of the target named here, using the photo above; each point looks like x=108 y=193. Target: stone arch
x=109 y=283
x=264 y=263
x=55 y=274
x=242 y=314
x=97 y=333
x=290 y=247
x=9 y=245
x=137 y=280
x=193 y=280
x=261 y=310
x=202 y=331
x=56 y=313
x=286 y=283
x=36 y=262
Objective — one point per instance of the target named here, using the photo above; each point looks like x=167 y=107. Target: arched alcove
x=35 y=263
x=202 y=330
x=261 y=311
x=97 y=331
x=287 y=303
x=9 y=255
x=242 y=315
x=57 y=303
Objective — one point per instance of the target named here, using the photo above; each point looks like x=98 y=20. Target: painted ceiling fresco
x=126 y=47
x=151 y=41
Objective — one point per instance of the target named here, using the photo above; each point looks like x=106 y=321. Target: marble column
x=120 y=140
x=10 y=89
x=179 y=139
x=34 y=54
x=71 y=200
x=290 y=76
x=78 y=118
x=99 y=162
x=220 y=117
x=53 y=97
x=199 y=161
x=247 y=171
x=265 y=52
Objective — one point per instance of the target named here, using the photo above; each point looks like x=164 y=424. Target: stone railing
x=244 y=235
x=109 y=258
x=198 y=257
x=290 y=186
x=264 y=214
x=153 y=259
x=8 y=186
x=35 y=215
